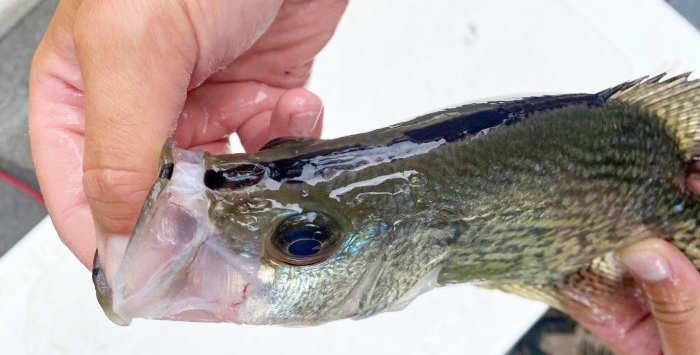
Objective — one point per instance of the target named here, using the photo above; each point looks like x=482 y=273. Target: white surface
x=390 y=60
x=47 y=306
x=393 y=60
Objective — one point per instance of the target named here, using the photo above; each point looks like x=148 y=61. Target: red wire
x=22 y=187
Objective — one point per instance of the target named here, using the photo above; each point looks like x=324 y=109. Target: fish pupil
x=304 y=242
x=304 y=247
x=304 y=239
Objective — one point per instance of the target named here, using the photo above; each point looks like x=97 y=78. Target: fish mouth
x=176 y=265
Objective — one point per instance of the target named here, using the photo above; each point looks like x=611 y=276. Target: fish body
x=530 y=196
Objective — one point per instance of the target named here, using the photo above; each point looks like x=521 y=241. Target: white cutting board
x=389 y=61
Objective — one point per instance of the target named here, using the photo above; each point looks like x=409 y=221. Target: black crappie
x=529 y=196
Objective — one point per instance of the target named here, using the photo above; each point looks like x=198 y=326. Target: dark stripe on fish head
x=240 y=176
x=504 y=113
x=327 y=163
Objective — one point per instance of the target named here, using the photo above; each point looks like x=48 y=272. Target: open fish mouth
x=176 y=266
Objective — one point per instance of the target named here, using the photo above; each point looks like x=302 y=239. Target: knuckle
x=674 y=309
x=296 y=74
x=115 y=195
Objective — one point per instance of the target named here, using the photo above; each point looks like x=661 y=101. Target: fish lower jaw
x=209 y=289
x=176 y=265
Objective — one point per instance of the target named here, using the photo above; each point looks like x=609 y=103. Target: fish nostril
x=235 y=178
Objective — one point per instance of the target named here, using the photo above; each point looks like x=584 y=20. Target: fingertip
x=298 y=113
x=303 y=124
x=646 y=260
x=655 y=260
x=671 y=284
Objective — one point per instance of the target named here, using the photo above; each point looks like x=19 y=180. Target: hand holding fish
x=668 y=319
x=111 y=81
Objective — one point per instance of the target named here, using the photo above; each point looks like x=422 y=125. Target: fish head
x=226 y=242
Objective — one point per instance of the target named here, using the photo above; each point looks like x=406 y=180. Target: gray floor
x=690 y=9
x=18 y=213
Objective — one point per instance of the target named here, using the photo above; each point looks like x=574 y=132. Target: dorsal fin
x=675 y=100
x=288 y=142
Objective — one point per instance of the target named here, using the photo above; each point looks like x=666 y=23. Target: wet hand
x=112 y=80
x=669 y=322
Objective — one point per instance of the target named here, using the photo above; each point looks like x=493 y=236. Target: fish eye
x=304 y=239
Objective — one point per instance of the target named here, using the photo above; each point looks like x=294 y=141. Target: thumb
x=137 y=60
x=671 y=284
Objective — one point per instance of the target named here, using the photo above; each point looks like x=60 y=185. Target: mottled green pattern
x=596 y=177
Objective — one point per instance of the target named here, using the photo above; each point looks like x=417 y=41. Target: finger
x=215 y=110
x=253 y=132
x=220 y=146
x=56 y=132
x=258 y=112
x=57 y=153
x=137 y=61
x=671 y=284
x=629 y=330
x=130 y=103
x=286 y=51
x=298 y=113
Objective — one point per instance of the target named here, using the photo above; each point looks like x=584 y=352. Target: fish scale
x=619 y=185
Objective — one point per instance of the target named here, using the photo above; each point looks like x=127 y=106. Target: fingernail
x=303 y=124
x=645 y=264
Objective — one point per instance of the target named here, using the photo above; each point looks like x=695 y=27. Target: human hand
x=112 y=80
x=668 y=322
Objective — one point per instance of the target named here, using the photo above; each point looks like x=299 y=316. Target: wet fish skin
x=530 y=196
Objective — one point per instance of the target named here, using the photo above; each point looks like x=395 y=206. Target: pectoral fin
x=603 y=291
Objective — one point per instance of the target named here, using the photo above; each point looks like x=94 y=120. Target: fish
x=530 y=196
